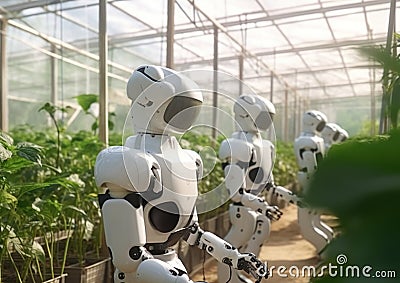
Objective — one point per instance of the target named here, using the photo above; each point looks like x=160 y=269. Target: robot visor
x=321 y=126
x=182 y=111
x=336 y=136
x=264 y=120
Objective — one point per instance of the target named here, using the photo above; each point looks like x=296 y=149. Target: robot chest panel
x=260 y=166
x=173 y=208
x=312 y=144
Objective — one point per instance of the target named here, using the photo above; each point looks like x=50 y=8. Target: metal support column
x=3 y=77
x=384 y=121
x=241 y=59
x=215 y=85
x=170 y=33
x=103 y=72
x=286 y=116
x=54 y=76
x=271 y=88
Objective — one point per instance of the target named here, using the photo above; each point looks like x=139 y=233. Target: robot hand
x=273 y=213
x=250 y=264
x=225 y=253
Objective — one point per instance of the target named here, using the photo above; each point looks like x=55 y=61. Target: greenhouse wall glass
x=299 y=54
x=189 y=136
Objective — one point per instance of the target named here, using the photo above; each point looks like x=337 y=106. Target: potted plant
x=19 y=227
x=76 y=157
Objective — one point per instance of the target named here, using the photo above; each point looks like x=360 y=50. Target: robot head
x=344 y=135
x=330 y=133
x=314 y=121
x=253 y=113
x=163 y=101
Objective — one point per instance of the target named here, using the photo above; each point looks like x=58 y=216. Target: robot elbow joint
x=130 y=262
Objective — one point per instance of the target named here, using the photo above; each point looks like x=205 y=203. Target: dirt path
x=285 y=247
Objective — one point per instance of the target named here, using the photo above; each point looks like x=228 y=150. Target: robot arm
x=260 y=205
x=224 y=252
x=125 y=215
x=234 y=181
x=287 y=195
x=118 y=169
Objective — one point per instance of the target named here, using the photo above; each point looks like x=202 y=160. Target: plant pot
x=9 y=274
x=48 y=279
x=92 y=271
x=58 y=279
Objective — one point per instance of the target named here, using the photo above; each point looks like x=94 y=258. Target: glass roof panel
x=309 y=44
x=307 y=31
x=349 y=26
x=326 y=57
x=276 y=7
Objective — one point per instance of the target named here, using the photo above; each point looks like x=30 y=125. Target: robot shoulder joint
x=127 y=168
x=239 y=150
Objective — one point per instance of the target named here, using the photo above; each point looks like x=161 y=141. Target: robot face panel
x=330 y=133
x=320 y=126
x=314 y=121
x=264 y=120
x=163 y=101
x=253 y=113
x=181 y=112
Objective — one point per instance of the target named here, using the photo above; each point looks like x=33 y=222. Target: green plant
x=285 y=166
x=24 y=217
x=390 y=62
x=51 y=110
x=359 y=182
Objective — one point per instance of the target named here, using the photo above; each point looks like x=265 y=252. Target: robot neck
x=154 y=143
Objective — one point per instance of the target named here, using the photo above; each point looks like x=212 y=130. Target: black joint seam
x=134 y=199
x=141 y=70
x=135 y=253
x=103 y=198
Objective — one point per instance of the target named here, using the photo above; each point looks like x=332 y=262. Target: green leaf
x=13 y=165
x=86 y=100
x=6 y=139
x=8 y=198
x=76 y=209
x=4 y=153
x=382 y=56
x=51 y=109
x=395 y=102
x=30 y=152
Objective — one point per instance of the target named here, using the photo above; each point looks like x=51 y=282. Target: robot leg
x=243 y=222
x=259 y=236
x=311 y=233
x=317 y=222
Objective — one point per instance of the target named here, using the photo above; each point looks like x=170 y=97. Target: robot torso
x=260 y=160
x=308 y=144
x=172 y=208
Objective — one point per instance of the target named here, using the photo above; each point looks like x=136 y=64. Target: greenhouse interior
x=187 y=141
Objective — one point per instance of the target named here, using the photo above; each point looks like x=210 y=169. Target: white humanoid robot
x=248 y=160
x=331 y=135
x=151 y=186
x=309 y=150
x=344 y=135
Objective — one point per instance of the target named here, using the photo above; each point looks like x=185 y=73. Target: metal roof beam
x=29 y=5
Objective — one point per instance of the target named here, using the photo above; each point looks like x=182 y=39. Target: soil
x=285 y=247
